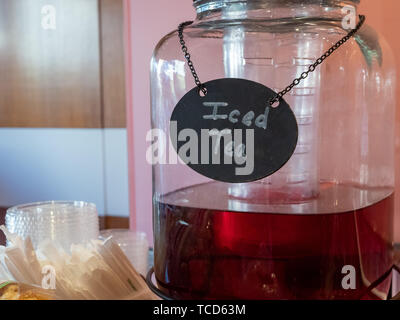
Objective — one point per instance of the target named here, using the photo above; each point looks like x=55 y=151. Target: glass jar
x=321 y=226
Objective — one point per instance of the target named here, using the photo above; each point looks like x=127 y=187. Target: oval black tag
x=232 y=134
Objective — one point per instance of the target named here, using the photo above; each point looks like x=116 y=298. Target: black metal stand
x=153 y=287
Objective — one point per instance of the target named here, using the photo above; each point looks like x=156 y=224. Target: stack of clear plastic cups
x=133 y=244
x=63 y=222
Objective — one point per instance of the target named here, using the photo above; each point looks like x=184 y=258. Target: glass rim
x=35 y=205
x=204 y=5
x=196 y=2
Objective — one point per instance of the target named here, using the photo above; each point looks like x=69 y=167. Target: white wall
x=116 y=172
x=65 y=164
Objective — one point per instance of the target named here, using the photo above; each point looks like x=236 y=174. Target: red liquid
x=220 y=254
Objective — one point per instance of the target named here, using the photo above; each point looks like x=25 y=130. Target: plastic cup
x=64 y=222
x=133 y=244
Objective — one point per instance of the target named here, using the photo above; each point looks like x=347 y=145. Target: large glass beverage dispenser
x=321 y=226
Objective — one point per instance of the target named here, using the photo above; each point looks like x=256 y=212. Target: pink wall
x=383 y=16
x=147 y=21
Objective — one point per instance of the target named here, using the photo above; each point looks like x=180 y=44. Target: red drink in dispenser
x=224 y=254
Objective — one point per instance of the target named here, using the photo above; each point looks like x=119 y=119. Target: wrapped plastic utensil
x=98 y=270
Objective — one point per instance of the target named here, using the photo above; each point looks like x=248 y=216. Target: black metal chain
x=295 y=82
x=182 y=26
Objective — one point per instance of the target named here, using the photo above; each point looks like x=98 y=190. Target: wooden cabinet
x=112 y=58
x=61 y=64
